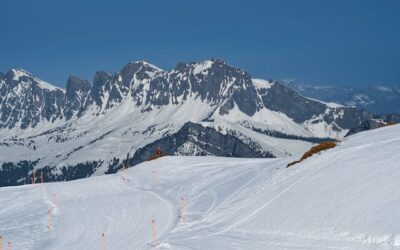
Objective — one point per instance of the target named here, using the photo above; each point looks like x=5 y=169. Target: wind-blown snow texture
x=196 y=108
x=344 y=198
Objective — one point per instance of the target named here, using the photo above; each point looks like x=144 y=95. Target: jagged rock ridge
x=197 y=108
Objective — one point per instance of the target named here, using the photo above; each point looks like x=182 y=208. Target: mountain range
x=380 y=98
x=120 y=119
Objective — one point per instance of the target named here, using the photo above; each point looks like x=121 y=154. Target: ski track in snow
x=339 y=199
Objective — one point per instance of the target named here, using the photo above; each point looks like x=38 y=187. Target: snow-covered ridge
x=343 y=198
x=45 y=85
x=262 y=84
x=328 y=104
x=201 y=67
x=149 y=65
x=18 y=73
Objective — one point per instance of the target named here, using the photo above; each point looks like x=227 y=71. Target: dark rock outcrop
x=200 y=140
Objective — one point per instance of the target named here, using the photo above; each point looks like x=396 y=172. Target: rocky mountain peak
x=17 y=73
x=74 y=83
x=27 y=81
x=100 y=78
x=27 y=100
x=141 y=69
x=77 y=92
x=202 y=67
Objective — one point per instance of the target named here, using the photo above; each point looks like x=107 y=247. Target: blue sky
x=315 y=41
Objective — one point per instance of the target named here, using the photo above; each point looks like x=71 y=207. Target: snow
x=149 y=64
x=344 y=198
x=262 y=84
x=201 y=67
x=116 y=129
x=328 y=104
x=266 y=118
x=18 y=73
x=320 y=128
x=45 y=85
x=125 y=127
x=105 y=203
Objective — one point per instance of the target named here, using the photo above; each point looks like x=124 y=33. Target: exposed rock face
x=77 y=93
x=26 y=100
x=367 y=125
x=283 y=99
x=378 y=121
x=194 y=139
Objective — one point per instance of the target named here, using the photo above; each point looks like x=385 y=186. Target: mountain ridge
x=378 y=98
x=91 y=128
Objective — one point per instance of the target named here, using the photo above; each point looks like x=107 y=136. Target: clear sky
x=315 y=41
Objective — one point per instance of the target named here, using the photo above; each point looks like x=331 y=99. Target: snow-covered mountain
x=380 y=98
x=343 y=198
x=197 y=108
x=26 y=100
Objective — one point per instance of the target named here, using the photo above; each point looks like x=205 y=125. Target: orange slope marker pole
x=183 y=209
x=154 y=232
x=49 y=224
x=1 y=242
x=103 y=242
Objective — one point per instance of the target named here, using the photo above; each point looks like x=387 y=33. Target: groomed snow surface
x=345 y=198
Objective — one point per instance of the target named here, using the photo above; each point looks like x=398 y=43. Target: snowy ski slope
x=345 y=198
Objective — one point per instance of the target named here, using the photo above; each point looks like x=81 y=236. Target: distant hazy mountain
x=197 y=108
x=380 y=99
